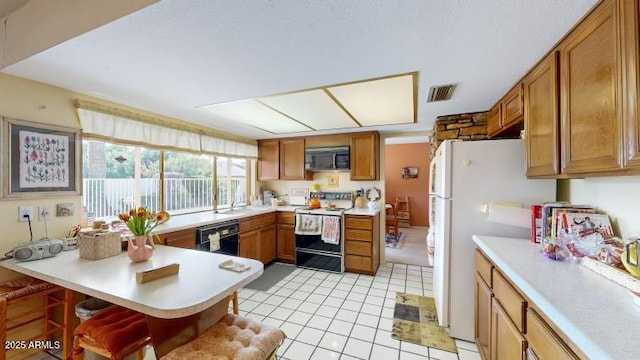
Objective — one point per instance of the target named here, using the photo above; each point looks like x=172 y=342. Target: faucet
x=231 y=206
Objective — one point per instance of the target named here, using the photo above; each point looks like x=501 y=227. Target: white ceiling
x=175 y=57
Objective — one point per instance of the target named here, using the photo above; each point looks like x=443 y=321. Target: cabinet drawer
x=358 y=222
x=483 y=267
x=357 y=262
x=357 y=248
x=544 y=341
x=256 y=222
x=285 y=217
x=361 y=235
x=513 y=304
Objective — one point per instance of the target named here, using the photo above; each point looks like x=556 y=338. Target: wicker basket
x=99 y=245
x=616 y=275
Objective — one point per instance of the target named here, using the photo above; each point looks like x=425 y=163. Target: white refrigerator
x=465 y=175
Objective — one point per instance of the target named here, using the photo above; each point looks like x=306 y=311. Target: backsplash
x=282 y=187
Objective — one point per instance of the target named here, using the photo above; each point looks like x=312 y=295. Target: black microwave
x=326 y=158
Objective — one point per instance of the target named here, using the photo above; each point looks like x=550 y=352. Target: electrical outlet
x=44 y=213
x=25 y=210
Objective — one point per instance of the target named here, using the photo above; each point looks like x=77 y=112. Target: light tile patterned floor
x=342 y=316
x=348 y=316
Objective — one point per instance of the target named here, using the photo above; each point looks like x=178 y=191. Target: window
x=232 y=181
x=188 y=182
x=118 y=177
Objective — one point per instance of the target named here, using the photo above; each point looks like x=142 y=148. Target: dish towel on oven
x=331 y=230
x=308 y=224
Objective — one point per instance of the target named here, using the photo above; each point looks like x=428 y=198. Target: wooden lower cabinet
x=286 y=243
x=258 y=238
x=508 y=325
x=506 y=340
x=249 y=245
x=482 y=330
x=182 y=238
x=362 y=243
x=267 y=240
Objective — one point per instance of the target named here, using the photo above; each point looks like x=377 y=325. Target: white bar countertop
x=199 y=284
x=598 y=315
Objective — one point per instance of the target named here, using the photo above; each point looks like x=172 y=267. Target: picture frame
x=40 y=159
x=409 y=172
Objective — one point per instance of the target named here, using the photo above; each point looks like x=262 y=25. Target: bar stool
x=24 y=289
x=233 y=337
x=233 y=299
x=115 y=332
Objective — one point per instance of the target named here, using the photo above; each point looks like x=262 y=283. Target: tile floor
x=341 y=316
x=348 y=316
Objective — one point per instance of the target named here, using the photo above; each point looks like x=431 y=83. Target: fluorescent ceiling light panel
x=314 y=108
x=254 y=113
x=380 y=102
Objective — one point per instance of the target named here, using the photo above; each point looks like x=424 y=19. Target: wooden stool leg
x=234 y=299
x=3 y=326
x=78 y=351
x=69 y=312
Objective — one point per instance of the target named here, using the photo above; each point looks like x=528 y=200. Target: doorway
x=406 y=170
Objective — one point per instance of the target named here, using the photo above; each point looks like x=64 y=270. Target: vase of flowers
x=141 y=222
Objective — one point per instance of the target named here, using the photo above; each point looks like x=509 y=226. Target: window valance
x=118 y=125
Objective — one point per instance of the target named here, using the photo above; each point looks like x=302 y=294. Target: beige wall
x=619 y=197
x=28 y=100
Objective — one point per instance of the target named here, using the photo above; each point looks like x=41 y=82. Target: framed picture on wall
x=39 y=159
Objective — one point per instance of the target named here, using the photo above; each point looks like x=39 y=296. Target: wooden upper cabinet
x=629 y=17
x=268 y=160
x=541 y=114
x=364 y=154
x=591 y=94
x=292 y=159
x=512 y=109
x=494 y=122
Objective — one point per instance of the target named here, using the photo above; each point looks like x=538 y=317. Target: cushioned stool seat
x=233 y=337
x=114 y=332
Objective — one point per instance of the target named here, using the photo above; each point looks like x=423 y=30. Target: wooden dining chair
x=391 y=219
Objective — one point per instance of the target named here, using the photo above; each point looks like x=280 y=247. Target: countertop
x=186 y=221
x=114 y=279
x=597 y=314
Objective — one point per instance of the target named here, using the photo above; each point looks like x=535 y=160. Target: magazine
x=584 y=224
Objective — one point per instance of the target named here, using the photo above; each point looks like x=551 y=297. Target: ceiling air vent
x=441 y=92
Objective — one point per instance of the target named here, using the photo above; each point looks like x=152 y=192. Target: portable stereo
x=36 y=250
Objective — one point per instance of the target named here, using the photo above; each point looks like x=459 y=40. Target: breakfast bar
x=199 y=285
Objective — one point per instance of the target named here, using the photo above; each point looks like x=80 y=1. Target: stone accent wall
x=469 y=126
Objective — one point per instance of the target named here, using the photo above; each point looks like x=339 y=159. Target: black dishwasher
x=221 y=238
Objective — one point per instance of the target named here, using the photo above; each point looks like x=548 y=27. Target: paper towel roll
x=510 y=214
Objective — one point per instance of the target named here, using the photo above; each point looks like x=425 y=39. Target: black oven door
x=314 y=242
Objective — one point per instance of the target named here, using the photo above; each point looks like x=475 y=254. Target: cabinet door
x=512 y=110
x=286 y=243
x=482 y=330
x=268 y=244
x=249 y=245
x=591 y=94
x=541 y=119
x=507 y=343
x=364 y=156
x=493 y=120
x=292 y=159
x=631 y=56
x=268 y=160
